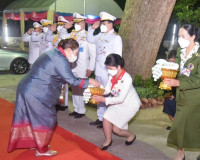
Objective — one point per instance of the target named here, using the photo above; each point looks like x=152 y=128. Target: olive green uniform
x=185 y=131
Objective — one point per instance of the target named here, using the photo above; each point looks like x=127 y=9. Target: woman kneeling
x=123 y=103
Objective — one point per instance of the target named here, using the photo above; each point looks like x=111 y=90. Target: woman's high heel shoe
x=105 y=147
x=129 y=143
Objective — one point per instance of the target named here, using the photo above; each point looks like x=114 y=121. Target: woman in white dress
x=123 y=103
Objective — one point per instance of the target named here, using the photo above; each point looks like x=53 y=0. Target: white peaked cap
x=78 y=16
x=62 y=19
x=36 y=25
x=106 y=16
x=46 y=22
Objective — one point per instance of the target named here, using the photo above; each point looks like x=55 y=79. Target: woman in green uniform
x=185 y=131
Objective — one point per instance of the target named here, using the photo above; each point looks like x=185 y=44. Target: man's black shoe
x=100 y=125
x=73 y=113
x=96 y=122
x=60 y=108
x=78 y=115
x=198 y=158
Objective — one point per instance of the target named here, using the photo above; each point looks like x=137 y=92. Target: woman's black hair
x=172 y=54
x=192 y=30
x=114 y=60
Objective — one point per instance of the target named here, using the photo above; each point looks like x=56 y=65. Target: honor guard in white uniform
x=33 y=36
x=46 y=42
x=107 y=42
x=85 y=63
x=55 y=39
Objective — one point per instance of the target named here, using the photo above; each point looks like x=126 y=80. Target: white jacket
x=106 y=43
x=34 y=45
x=87 y=52
x=123 y=92
x=46 y=42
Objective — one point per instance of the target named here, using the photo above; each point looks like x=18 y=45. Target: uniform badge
x=186 y=72
x=80 y=49
x=190 y=66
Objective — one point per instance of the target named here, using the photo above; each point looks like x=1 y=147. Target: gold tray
x=163 y=86
x=169 y=73
x=96 y=91
x=93 y=101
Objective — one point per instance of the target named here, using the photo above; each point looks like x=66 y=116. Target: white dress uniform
x=46 y=41
x=85 y=61
x=34 y=44
x=106 y=43
x=124 y=104
x=52 y=41
x=61 y=31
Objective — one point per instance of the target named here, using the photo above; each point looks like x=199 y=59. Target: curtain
x=37 y=16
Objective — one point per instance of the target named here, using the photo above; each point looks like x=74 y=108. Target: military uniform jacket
x=185 y=131
x=87 y=52
x=189 y=89
x=34 y=45
x=106 y=43
x=46 y=42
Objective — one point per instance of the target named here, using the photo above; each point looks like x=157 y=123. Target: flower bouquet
x=92 y=91
x=164 y=69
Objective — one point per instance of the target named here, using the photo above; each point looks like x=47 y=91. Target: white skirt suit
x=123 y=104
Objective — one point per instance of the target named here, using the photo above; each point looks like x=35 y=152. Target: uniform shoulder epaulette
x=116 y=33
x=86 y=32
x=73 y=30
x=197 y=54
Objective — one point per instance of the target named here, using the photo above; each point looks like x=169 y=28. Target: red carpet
x=68 y=145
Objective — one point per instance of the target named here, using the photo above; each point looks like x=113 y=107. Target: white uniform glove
x=86 y=95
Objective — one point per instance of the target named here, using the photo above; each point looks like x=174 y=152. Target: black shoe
x=198 y=158
x=78 y=115
x=183 y=158
x=105 y=147
x=96 y=122
x=129 y=143
x=168 y=128
x=100 y=125
x=60 y=108
x=73 y=113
